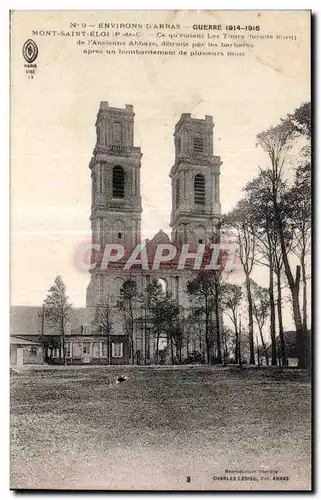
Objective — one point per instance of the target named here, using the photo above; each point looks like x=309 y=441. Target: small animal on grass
x=119 y=380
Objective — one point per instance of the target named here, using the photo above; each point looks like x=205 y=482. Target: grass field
x=70 y=430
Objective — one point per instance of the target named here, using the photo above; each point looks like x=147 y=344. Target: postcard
x=160 y=250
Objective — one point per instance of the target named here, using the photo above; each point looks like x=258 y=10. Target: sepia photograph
x=160 y=233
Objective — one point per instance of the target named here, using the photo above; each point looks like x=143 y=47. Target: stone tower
x=116 y=204
x=195 y=175
x=115 y=173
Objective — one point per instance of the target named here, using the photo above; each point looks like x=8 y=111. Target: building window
x=118 y=182
x=96 y=350
x=33 y=351
x=117 y=134
x=198 y=144
x=117 y=350
x=119 y=236
x=86 y=347
x=104 y=350
x=86 y=329
x=68 y=350
x=199 y=189
x=200 y=241
x=163 y=284
x=177 y=192
x=56 y=353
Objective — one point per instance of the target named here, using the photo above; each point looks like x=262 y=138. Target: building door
x=19 y=356
x=86 y=357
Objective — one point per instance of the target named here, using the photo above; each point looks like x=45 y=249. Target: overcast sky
x=53 y=133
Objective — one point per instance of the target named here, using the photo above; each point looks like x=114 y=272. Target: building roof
x=159 y=238
x=19 y=341
x=26 y=320
x=291 y=343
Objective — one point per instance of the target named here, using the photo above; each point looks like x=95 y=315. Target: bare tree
x=195 y=325
x=155 y=294
x=299 y=197
x=298 y=202
x=239 y=221
x=261 y=305
x=203 y=290
x=42 y=317
x=163 y=315
x=276 y=142
x=104 y=318
x=277 y=267
x=58 y=310
x=266 y=240
x=228 y=341
x=231 y=300
x=126 y=304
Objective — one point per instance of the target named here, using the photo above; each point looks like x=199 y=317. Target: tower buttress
x=196 y=208
x=116 y=203
x=115 y=173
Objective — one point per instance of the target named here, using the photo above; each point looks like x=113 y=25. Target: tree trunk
x=294 y=285
x=44 y=354
x=132 y=347
x=301 y=334
x=250 y=316
x=206 y=332
x=131 y=319
x=217 y=322
x=200 y=336
x=304 y=294
x=157 y=347
x=264 y=346
x=208 y=354
x=272 y=312
x=225 y=352
x=305 y=311
x=279 y=308
x=108 y=349
x=172 y=350
x=298 y=325
x=64 y=350
x=145 y=334
x=236 y=351
x=240 y=334
x=258 y=355
x=63 y=341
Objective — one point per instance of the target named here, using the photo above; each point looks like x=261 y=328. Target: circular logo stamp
x=30 y=51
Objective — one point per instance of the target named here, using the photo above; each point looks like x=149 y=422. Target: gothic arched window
x=198 y=143
x=199 y=189
x=117 y=134
x=163 y=283
x=177 y=192
x=116 y=285
x=118 y=182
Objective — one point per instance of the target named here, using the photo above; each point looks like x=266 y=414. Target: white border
x=4 y=173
